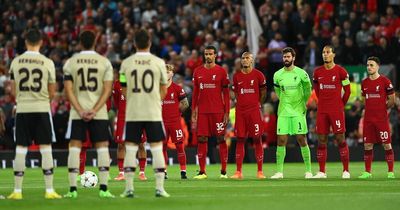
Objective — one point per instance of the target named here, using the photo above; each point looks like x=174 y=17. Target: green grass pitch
x=293 y=192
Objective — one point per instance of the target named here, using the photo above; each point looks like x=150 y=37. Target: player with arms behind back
x=329 y=80
x=33 y=82
x=250 y=89
x=174 y=103
x=293 y=87
x=210 y=109
x=145 y=87
x=88 y=79
x=378 y=94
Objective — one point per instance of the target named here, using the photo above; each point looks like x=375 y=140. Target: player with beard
x=293 y=87
x=378 y=93
x=210 y=109
x=329 y=81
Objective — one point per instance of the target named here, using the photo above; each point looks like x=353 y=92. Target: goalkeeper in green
x=293 y=87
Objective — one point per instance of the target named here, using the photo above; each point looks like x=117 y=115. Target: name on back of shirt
x=142 y=62
x=87 y=61
x=30 y=60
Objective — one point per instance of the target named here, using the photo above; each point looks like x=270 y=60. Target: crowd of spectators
x=181 y=29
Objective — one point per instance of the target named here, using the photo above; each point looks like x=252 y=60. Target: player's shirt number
x=146 y=87
x=37 y=75
x=89 y=83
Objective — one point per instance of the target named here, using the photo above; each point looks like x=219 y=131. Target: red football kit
x=248 y=122
x=328 y=84
x=208 y=86
x=376 y=121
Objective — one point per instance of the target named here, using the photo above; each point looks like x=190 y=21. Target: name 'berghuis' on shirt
x=375 y=93
x=329 y=83
x=210 y=83
x=247 y=88
x=170 y=104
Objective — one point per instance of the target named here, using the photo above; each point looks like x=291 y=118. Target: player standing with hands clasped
x=329 y=80
x=88 y=79
x=378 y=94
x=293 y=87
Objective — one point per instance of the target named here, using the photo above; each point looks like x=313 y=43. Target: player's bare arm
x=69 y=91
x=390 y=101
x=107 y=88
x=163 y=91
x=51 y=87
x=263 y=95
x=183 y=105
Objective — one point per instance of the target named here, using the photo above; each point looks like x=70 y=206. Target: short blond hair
x=170 y=67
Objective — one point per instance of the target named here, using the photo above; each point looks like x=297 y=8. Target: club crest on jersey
x=295 y=78
x=252 y=82
x=333 y=78
x=172 y=95
x=377 y=88
x=214 y=76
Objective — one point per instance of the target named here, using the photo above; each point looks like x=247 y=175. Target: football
x=89 y=179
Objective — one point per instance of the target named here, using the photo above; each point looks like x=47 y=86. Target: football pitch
x=293 y=192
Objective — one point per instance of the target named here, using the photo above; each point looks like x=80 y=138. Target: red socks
x=142 y=163
x=202 y=148
x=82 y=160
x=180 y=149
x=223 y=155
x=389 y=156
x=322 y=154
x=368 y=157
x=259 y=152
x=120 y=163
x=344 y=155
x=239 y=154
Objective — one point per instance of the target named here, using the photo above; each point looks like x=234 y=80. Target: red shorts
x=376 y=132
x=210 y=124
x=248 y=124
x=326 y=120
x=174 y=131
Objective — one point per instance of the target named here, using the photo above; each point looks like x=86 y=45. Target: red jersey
x=328 y=85
x=208 y=85
x=119 y=100
x=247 y=88
x=170 y=104
x=375 y=93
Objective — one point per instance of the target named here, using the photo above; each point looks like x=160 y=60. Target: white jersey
x=88 y=70
x=32 y=72
x=144 y=74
